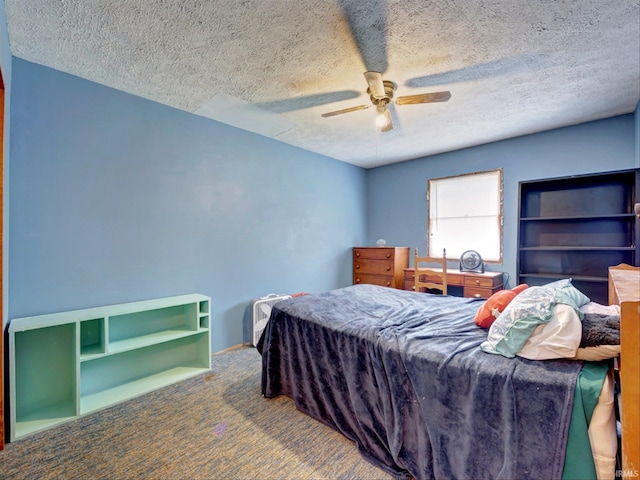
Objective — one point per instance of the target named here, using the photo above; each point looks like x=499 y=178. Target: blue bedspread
x=402 y=375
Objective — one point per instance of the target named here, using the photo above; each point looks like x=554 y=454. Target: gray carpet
x=216 y=425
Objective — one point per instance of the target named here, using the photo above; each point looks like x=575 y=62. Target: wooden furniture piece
x=429 y=278
x=576 y=227
x=624 y=290
x=463 y=284
x=67 y=364
x=380 y=265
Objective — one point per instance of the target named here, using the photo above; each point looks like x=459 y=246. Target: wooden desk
x=465 y=284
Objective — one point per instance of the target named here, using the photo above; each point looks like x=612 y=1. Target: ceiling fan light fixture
x=383 y=118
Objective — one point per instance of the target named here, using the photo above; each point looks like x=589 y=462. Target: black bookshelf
x=576 y=227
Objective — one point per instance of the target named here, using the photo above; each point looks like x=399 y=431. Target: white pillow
x=593 y=307
x=559 y=338
x=526 y=312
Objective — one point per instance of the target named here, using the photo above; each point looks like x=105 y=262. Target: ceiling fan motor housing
x=389 y=89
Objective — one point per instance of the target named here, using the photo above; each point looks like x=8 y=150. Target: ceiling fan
x=381 y=92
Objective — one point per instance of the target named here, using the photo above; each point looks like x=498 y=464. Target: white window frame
x=465 y=212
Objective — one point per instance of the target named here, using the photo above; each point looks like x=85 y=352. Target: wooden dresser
x=624 y=290
x=463 y=284
x=380 y=265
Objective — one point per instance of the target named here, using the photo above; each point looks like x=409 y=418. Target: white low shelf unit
x=67 y=364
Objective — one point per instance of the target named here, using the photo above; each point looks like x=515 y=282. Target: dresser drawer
x=382 y=280
x=378 y=267
x=377 y=253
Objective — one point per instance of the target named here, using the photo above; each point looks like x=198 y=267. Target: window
x=465 y=213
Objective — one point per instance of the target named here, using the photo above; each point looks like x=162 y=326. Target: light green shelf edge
x=112 y=396
x=40 y=321
x=139 y=342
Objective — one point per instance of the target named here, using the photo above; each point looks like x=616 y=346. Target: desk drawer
x=478 y=281
x=479 y=292
x=455 y=280
x=410 y=285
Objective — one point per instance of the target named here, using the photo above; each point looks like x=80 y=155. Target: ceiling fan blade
x=307 y=101
x=376 y=87
x=345 y=110
x=424 y=98
x=367 y=22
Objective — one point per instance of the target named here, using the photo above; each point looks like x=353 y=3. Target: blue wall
x=5 y=64
x=637 y=134
x=396 y=194
x=115 y=198
x=5 y=50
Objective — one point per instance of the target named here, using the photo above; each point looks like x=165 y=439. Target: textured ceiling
x=513 y=67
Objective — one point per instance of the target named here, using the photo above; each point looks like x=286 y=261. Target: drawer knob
x=413 y=287
x=357 y=266
x=357 y=254
x=388 y=255
x=477 y=282
x=477 y=295
x=388 y=284
x=357 y=280
x=388 y=268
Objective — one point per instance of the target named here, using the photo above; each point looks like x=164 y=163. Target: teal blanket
x=578 y=463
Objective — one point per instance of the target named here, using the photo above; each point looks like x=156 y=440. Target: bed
x=403 y=375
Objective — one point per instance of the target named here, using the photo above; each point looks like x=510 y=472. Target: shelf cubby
x=203 y=314
x=110 y=379
x=44 y=376
x=92 y=337
x=68 y=364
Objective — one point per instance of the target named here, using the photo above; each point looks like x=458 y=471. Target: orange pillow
x=495 y=305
